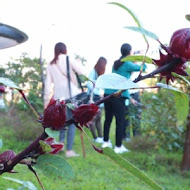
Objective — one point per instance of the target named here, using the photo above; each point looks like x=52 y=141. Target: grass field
x=98 y=172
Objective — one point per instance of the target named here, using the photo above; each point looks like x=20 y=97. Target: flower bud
x=6 y=156
x=55 y=148
x=54 y=115
x=85 y=113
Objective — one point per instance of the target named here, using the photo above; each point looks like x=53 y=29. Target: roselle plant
x=41 y=152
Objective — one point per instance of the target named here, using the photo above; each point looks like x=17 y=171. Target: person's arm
x=92 y=77
x=47 y=90
x=130 y=66
x=76 y=66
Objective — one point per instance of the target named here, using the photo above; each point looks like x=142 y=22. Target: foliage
x=22 y=123
x=27 y=73
x=160 y=121
x=56 y=166
x=95 y=171
x=25 y=184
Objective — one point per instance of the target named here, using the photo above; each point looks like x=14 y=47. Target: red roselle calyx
x=54 y=115
x=85 y=113
x=5 y=157
x=2 y=89
x=178 y=53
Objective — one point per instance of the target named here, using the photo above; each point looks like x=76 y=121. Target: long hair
x=100 y=66
x=60 y=48
x=125 y=51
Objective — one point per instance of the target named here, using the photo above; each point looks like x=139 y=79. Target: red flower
x=2 y=89
x=180 y=44
x=178 y=53
x=85 y=113
x=54 y=115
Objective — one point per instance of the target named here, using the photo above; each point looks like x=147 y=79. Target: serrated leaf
x=143 y=31
x=187 y=17
x=181 y=102
x=45 y=147
x=27 y=184
x=125 y=164
x=114 y=81
x=9 y=83
x=137 y=58
x=181 y=77
x=53 y=165
x=52 y=133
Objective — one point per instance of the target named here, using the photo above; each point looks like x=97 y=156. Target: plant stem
x=33 y=146
x=29 y=104
x=31 y=169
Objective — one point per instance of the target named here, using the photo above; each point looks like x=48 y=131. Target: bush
x=159 y=120
x=22 y=123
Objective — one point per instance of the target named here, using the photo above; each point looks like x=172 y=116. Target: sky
x=89 y=28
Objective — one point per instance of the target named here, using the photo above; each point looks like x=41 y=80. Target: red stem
x=33 y=146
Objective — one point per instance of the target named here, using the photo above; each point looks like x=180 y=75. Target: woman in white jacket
x=56 y=74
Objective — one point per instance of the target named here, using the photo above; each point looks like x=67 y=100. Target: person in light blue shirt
x=115 y=106
x=95 y=95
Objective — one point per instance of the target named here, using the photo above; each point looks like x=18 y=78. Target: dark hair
x=60 y=48
x=100 y=66
x=125 y=51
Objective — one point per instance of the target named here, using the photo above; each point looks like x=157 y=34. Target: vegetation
x=99 y=172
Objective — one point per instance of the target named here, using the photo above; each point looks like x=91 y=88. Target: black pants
x=114 y=107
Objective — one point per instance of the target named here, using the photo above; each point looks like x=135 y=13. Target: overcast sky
x=90 y=28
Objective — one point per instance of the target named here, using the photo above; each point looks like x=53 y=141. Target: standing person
x=133 y=111
x=115 y=106
x=95 y=94
x=56 y=73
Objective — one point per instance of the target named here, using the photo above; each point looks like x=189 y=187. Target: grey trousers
x=96 y=125
x=70 y=131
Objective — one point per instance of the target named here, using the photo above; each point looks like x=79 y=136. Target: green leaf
x=129 y=11
x=9 y=83
x=132 y=14
x=181 y=77
x=187 y=17
x=54 y=165
x=137 y=58
x=27 y=184
x=45 y=147
x=125 y=164
x=83 y=78
x=143 y=31
x=114 y=81
x=52 y=133
x=70 y=106
x=181 y=101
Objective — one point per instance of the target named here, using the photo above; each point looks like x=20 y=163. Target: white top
x=57 y=74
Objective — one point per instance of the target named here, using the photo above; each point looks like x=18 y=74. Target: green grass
x=98 y=172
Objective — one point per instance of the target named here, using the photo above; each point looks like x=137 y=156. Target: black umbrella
x=10 y=36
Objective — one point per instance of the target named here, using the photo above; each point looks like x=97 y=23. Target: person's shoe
x=99 y=140
x=123 y=148
x=107 y=144
x=120 y=150
x=71 y=153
